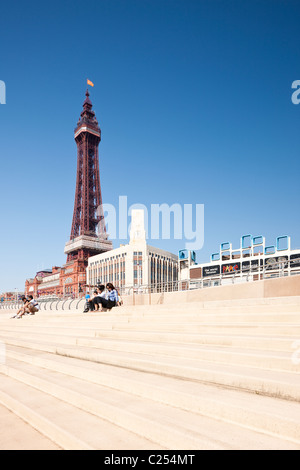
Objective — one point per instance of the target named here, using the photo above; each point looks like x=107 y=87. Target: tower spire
x=87 y=102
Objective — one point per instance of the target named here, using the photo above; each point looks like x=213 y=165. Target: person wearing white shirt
x=31 y=308
x=100 y=295
x=111 y=299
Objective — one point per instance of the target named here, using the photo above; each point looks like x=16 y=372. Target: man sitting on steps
x=22 y=309
x=31 y=307
x=93 y=304
x=100 y=294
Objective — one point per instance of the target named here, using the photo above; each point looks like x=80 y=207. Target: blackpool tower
x=88 y=233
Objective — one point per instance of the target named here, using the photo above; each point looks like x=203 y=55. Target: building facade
x=136 y=265
x=66 y=281
x=252 y=260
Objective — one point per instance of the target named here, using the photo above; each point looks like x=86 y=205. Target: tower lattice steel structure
x=88 y=233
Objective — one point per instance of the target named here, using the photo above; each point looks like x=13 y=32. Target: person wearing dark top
x=111 y=299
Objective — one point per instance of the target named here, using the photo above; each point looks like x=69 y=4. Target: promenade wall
x=279 y=287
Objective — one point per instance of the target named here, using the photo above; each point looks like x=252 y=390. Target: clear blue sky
x=192 y=95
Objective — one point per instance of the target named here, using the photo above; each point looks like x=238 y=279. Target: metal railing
x=276 y=270
x=47 y=304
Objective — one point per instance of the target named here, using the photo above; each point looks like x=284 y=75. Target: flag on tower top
x=89 y=82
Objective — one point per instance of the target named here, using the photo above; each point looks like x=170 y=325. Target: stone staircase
x=200 y=375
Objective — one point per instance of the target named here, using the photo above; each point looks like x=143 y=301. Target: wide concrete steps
x=101 y=407
x=182 y=377
x=256 y=379
x=98 y=348
x=69 y=426
x=15 y=434
x=103 y=330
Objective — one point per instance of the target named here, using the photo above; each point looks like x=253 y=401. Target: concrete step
x=108 y=317
x=221 y=317
x=89 y=330
x=266 y=304
x=189 y=316
x=70 y=427
x=230 y=302
x=170 y=427
x=16 y=434
x=264 y=328
x=284 y=384
x=155 y=325
x=195 y=308
x=262 y=359
x=186 y=328
x=264 y=414
x=274 y=342
x=185 y=312
x=197 y=326
x=221 y=337
x=230 y=328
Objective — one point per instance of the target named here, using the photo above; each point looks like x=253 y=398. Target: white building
x=135 y=265
x=252 y=260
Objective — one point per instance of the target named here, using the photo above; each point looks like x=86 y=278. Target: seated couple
x=103 y=300
x=30 y=307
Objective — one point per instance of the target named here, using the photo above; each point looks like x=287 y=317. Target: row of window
x=105 y=260
x=135 y=254
x=163 y=272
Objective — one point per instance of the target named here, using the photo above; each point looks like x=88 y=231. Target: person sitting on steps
x=22 y=309
x=87 y=299
x=111 y=299
x=100 y=294
x=31 y=307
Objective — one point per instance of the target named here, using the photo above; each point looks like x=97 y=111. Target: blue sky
x=194 y=102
